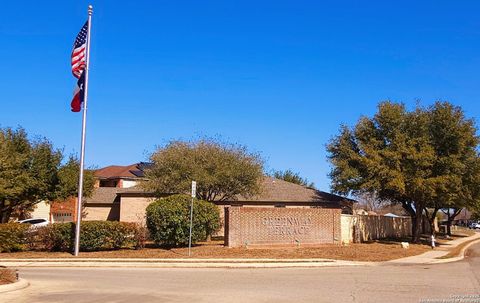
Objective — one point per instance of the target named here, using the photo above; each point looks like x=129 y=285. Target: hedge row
x=168 y=221
x=94 y=236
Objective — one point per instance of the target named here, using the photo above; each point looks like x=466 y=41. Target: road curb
x=428 y=258
x=20 y=284
x=221 y=263
x=180 y=263
x=133 y=264
x=459 y=257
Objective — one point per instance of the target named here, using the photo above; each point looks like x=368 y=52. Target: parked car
x=474 y=225
x=35 y=222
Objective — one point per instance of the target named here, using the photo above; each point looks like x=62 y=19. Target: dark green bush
x=56 y=237
x=13 y=237
x=97 y=235
x=168 y=220
x=94 y=236
x=105 y=235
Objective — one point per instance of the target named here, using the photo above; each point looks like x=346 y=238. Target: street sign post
x=194 y=189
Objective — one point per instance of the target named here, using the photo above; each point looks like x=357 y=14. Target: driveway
x=385 y=283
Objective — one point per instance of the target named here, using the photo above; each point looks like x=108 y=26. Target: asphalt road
x=386 y=283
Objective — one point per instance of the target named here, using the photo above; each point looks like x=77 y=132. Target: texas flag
x=78 y=60
x=78 y=94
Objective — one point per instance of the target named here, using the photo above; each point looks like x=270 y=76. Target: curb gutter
x=426 y=258
x=460 y=256
x=20 y=284
x=179 y=264
x=435 y=256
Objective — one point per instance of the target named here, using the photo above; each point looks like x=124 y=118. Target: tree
x=456 y=166
x=412 y=158
x=370 y=201
x=292 y=177
x=30 y=171
x=68 y=175
x=222 y=170
x=27 y=171
x=468 y=195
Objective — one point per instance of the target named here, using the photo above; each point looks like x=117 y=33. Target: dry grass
x=375 y=251
x=7 y=275
x=457 y=251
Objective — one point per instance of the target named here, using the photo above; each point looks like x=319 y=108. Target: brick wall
x=132 y=209
x=287 y=226
x=67 y=207
x=102 y=212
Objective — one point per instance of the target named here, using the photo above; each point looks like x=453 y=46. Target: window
x=34 y=221
x=108 y=183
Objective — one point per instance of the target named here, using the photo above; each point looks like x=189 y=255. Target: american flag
x=78 y=53
x=78 y=67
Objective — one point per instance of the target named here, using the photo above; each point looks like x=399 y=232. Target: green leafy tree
x=456 y=167
x=68 y=175
x=27 y=171
x=222 y=171
x=30 y=171
x=290 y=176
x=413 y=158
x=467 y=195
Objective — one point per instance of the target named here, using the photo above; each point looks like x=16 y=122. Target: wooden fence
x=362 y=228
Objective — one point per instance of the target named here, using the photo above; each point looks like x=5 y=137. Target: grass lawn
x=459 y=233
x=374 y=251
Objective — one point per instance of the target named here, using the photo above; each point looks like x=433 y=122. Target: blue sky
x=277 y=76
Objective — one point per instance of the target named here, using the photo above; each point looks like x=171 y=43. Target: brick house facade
x=117 y=196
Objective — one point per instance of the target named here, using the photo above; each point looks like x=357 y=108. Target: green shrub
x=168 y=220
x=97 y=235
x=56 y=237
x=13 y=237
x=94 y=236
x=105 y=235
x=141 y=235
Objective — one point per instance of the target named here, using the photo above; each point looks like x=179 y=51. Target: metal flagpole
x=194 y=193
x=84 y=126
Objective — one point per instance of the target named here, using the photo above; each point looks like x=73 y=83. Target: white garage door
x=62 y=217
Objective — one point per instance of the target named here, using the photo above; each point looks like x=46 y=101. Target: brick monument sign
x=288 y=226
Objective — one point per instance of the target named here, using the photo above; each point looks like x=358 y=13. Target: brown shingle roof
x=273 y=189
x=132 y=171
x=103 y=195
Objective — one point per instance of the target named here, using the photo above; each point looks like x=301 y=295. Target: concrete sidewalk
x=433 y=256
x=430 y=257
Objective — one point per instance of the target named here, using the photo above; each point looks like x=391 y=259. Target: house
x=463 y=218
x=104 y=203
x=117 y=196
x=120 y=176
